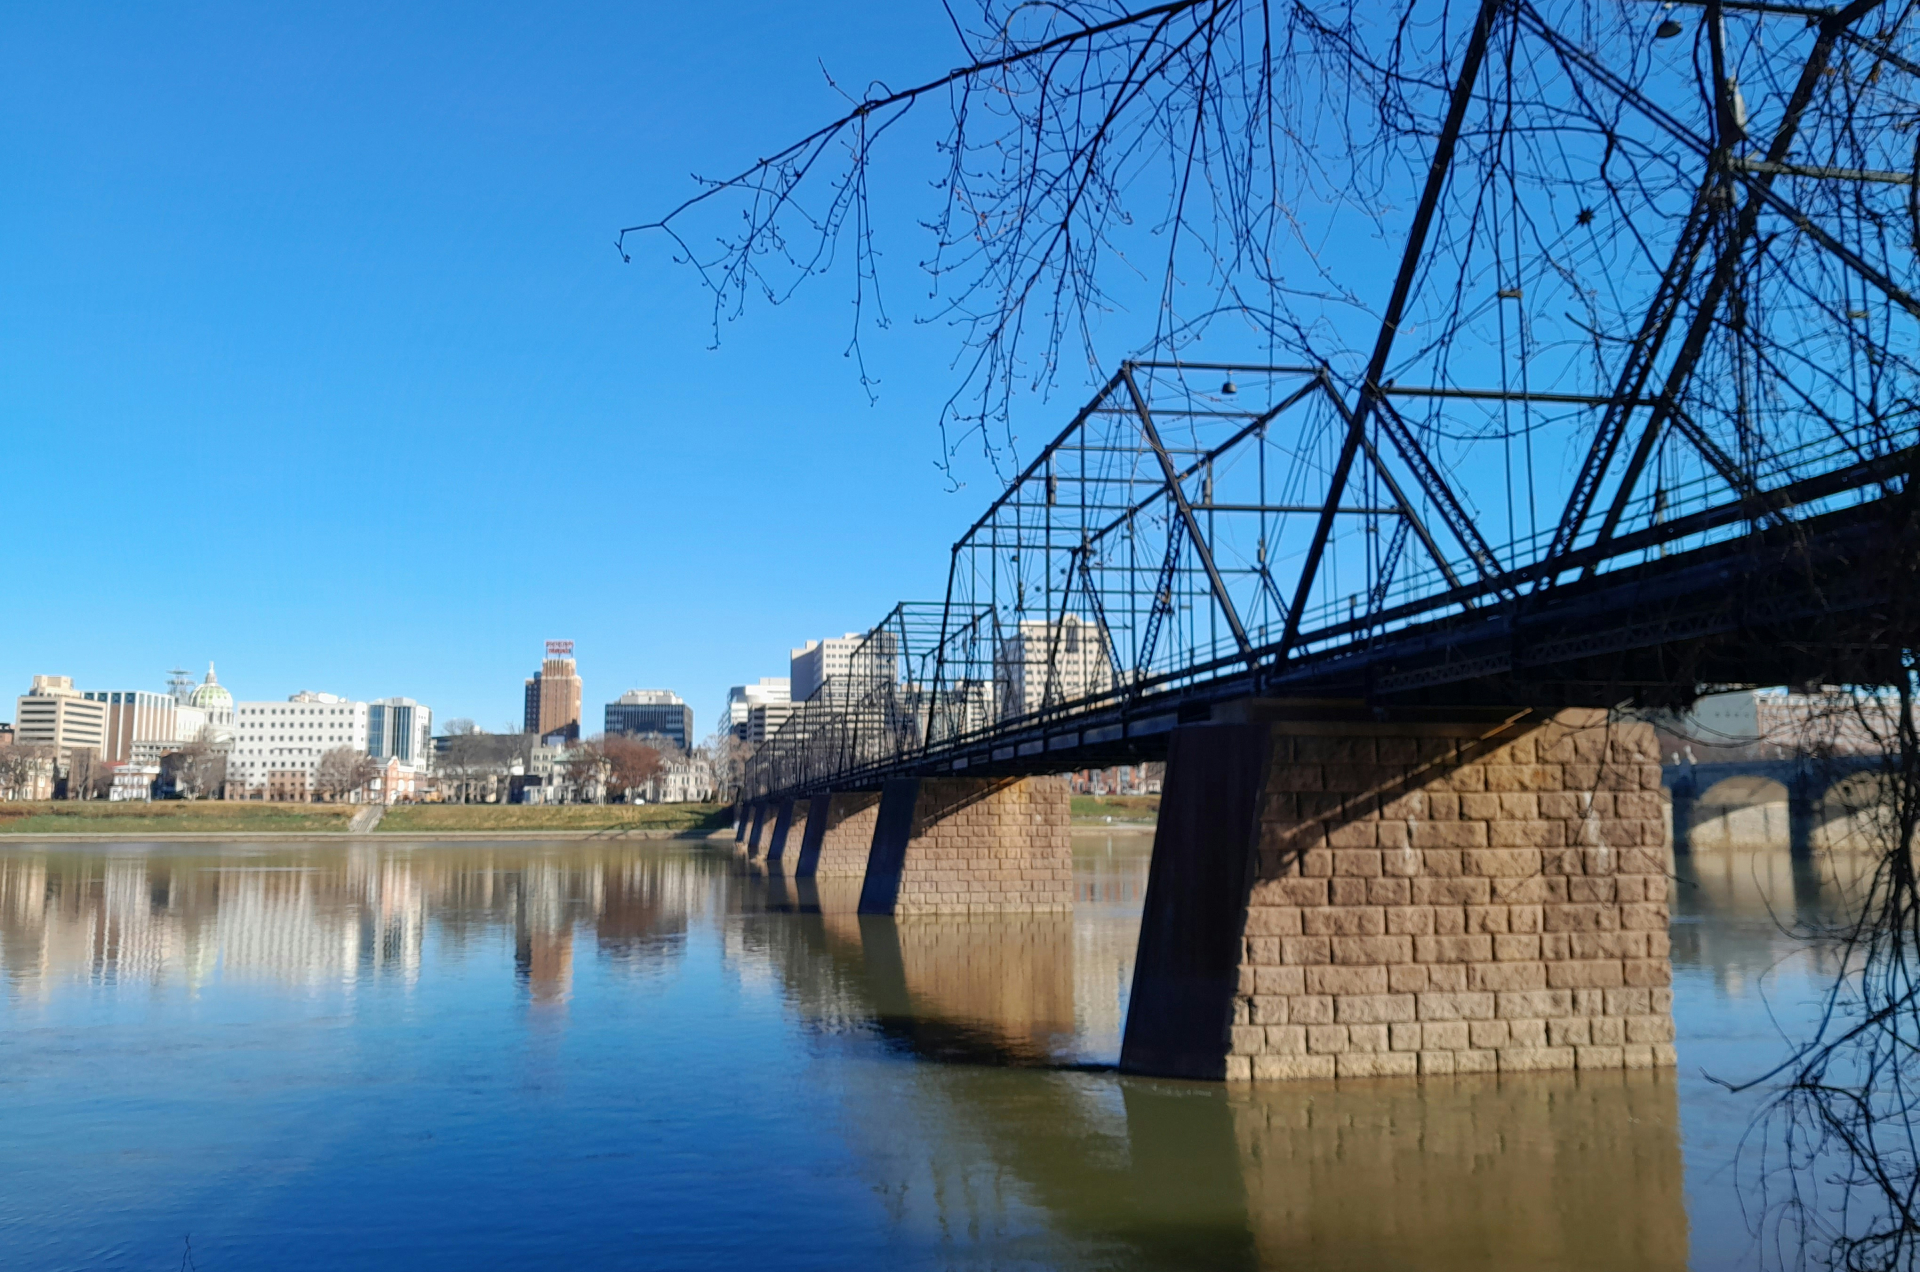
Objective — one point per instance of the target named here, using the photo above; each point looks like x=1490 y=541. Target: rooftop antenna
x=179 y=683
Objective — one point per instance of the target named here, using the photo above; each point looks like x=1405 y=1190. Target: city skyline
x=303 y=334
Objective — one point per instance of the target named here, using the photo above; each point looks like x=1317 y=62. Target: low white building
x=686 y=779
x=277 y=745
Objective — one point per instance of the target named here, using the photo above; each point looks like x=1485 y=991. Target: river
x=639 y=1055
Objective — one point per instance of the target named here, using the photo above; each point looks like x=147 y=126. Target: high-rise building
x=53 y=713
x=399 y=729
x=1046 y=663
x=742 y=699
x=640 y=711
x=553 y=694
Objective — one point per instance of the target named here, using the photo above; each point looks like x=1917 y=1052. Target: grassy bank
x=100 y=817
x=1141 y=810
x=441 y=819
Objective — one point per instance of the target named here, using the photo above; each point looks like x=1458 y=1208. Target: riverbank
x=214 y=819
x=217 y=819
x=1116 y=810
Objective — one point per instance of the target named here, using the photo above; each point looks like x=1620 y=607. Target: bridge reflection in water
x=960 y=1069
x=1559 y=1170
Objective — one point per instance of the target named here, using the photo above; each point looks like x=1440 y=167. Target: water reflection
x=656 y=1021
x=326 y=914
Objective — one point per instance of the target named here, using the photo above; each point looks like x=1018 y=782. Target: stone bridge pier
x=758 y=824
x=1424 y=894
x=839 y=833
x=789 y=828
x=970 y=846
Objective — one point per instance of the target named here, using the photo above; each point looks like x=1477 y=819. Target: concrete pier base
x=970 y=845
x=1334 y=898
x=759 y=824
x=838 y=836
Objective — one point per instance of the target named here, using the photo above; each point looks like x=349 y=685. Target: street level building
x=659 y=711
x=553 y=694
x=53 y=713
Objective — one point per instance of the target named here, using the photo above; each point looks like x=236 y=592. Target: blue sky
x=317 y=360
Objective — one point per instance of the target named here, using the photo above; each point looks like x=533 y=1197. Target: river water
x=638 y=1055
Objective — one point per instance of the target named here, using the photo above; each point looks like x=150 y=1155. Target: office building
x=553 y=694
x=742 y=699
x=400 y=729
x=818 y=662
x=1081 y=665
x=642 y=711
x=141 y=725
x=277 y=745
x=764 y=719
x=53 y=713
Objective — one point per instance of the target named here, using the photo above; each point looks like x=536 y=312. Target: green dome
x=211 y=694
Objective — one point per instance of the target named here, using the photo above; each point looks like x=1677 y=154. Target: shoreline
x=428 y=836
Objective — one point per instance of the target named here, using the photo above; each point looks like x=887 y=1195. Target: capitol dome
x=211 y=694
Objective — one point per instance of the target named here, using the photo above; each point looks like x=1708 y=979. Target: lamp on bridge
x=1229 y=388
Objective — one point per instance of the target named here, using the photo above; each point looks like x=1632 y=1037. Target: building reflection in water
x=310 y=915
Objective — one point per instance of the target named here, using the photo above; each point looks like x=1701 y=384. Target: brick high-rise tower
x=553 y=693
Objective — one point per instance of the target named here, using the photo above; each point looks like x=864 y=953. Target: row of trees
x=474 y=767
x=477 y=767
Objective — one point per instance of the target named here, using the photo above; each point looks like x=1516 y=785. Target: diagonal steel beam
x=1634 y=374
x=1179 y=496
x=1440 y=491
x=1475 y=54
x=1406 y=508
x=1707 y=313
x=1096 y=603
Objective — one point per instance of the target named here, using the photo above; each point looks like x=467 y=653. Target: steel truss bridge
x=1719 y=494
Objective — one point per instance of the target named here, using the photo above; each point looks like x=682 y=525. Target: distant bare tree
x=344 y=772
x=588 y=770
x=727 y=756
x=631 y=762
x=195 y=771
x=476 y=762
x=26 y=772
x=82 y=764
